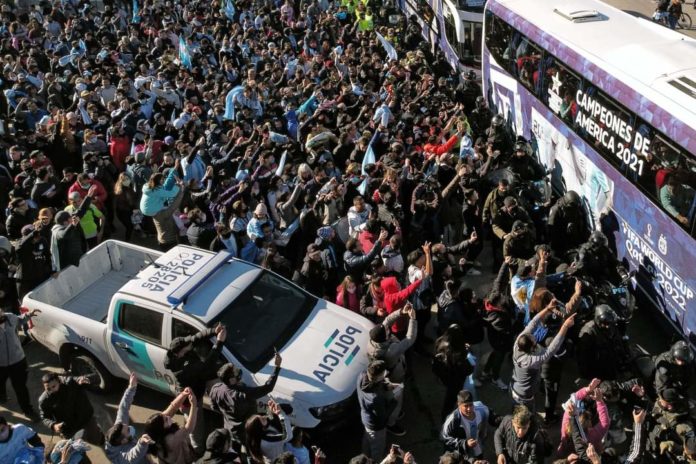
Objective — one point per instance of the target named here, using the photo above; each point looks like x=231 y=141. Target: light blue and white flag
x=184 y=53
x=229 y=102
x=75 y=53
x=136 y=13
x=281 y=164
x=388 y=47
x=466 y=149
x=229 y=10
x=368 y=159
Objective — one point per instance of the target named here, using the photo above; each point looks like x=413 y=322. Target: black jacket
x=69 y=405
x=71 y=244
x=33 y=259
x=192 y=371
x=356 y=264
x=670 y=375
x=15 y=222
x=600 y=353
x=237 y=403
x=199 y=235
x=526 y=450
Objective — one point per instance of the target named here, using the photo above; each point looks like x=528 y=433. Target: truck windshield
x=264 y=316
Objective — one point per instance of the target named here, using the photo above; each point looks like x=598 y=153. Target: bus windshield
x=263 y=317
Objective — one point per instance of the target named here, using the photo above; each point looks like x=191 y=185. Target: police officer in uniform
x=674 y=369
x=671 y=422
x=601 y=352
x=568 y=226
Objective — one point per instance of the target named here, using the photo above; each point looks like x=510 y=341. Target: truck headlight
x=334 y=410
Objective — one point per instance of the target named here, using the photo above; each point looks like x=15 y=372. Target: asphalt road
x=645 y=8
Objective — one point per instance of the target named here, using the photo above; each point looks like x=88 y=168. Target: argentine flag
x=368 y=159
x=136 y=13
x=389 y=48
x=229 y=10
x=75 y=53
x=229 y=102
x=184 y=54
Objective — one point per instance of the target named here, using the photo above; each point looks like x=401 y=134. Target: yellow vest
x=366 y=23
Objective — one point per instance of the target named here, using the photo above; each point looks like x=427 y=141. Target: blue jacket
x=155 y=200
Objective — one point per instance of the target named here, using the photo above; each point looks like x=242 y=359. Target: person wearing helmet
x=568 y=224
x=498 y=135
x=672 y=423
x=674 y=368
x=523 y=164
x=601 y=351
x=596 y=261
x=469 y=90
x=480 y=117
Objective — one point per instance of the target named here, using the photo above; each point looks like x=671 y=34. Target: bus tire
x=82 y=363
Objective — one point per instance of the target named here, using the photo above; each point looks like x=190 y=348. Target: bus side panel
x=644 y=236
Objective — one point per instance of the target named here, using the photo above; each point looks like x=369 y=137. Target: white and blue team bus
x=609 y=103
x=453 y=26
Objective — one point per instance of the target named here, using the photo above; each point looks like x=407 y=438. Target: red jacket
x=432 y=149
x=395 y=299
x=367 y=239
x=99 y=196
x=119 y=148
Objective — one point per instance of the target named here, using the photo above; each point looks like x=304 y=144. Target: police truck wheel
x=82 y=364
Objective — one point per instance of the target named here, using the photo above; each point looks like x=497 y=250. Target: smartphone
x=637 y=409
x=395 y=448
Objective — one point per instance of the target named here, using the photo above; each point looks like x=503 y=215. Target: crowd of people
x=321 y=140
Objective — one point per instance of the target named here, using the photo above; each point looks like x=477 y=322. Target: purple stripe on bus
x=659 y=118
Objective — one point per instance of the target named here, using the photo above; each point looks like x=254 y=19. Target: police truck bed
x=87 y=289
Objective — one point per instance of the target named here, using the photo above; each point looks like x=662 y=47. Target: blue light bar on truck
x=194 y=282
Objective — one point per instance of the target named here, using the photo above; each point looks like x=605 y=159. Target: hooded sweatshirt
x=395 y=298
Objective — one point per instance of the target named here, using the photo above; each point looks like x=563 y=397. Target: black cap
x=378 y=334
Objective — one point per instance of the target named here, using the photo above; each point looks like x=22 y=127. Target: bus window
x=451 y=31
x=499 y=40
x=666 y=174
x=559 y=89
x=675 y=176
x=471 y=47
x=528 y=58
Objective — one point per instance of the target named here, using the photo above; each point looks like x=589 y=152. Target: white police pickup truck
x=118 y=311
